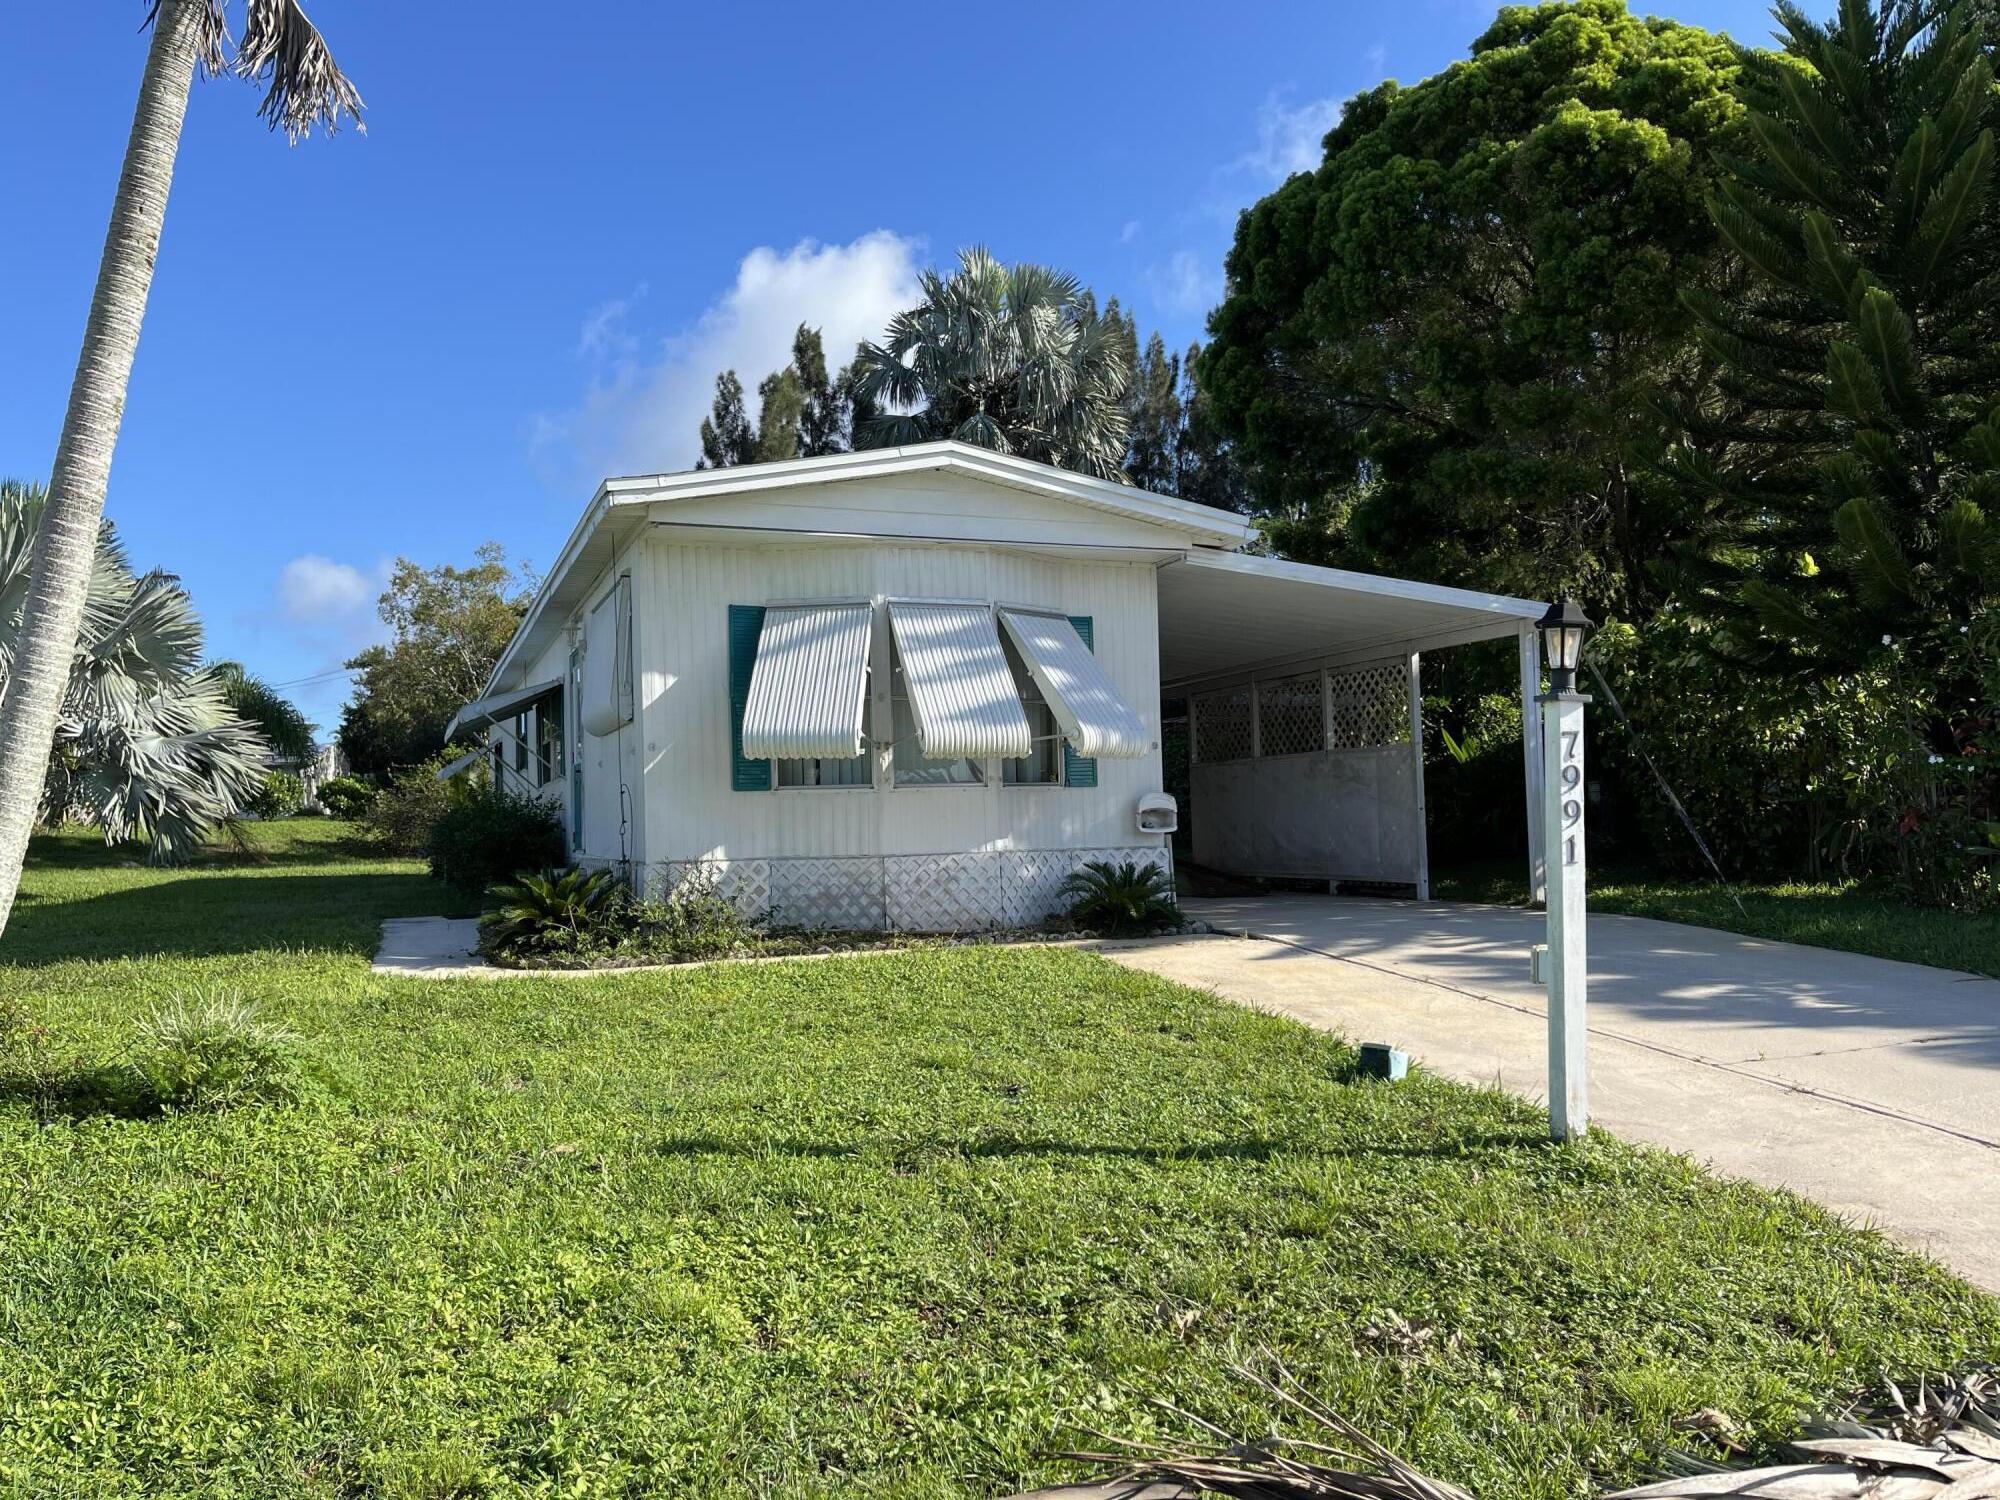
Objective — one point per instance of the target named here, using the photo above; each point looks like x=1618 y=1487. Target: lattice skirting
x=901 y=892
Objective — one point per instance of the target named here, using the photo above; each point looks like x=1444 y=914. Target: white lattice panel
x=838 y=893
x=744 y=883
x=969 y=892
x=1222 y=725
x=942 y=892
x=1289 y=721
x=1370 y=706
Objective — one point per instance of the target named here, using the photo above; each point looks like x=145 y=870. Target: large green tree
x=448 y=626
x=1014 y=358
x=1440 y=351
x=279 y=48
x=1849 y=462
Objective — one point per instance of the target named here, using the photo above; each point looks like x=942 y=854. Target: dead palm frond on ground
x=278 y=47
x=1939 y=1442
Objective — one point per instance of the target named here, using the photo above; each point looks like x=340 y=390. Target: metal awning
x=500 y=705
x=961 y=689
x=460 y=766
x=1094 y=718
x=809 y=686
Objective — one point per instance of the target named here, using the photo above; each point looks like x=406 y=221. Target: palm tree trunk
x=66 y=543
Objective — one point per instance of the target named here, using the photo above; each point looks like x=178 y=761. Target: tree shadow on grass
x=198 y=915
x=76 y=1091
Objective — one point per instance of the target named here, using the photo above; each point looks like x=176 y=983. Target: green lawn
x=1840 y=915
x=884 y=1226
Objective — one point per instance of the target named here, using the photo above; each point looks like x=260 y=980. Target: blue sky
x=563 y=220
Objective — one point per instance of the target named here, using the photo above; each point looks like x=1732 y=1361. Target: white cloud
x=317 y=591
x=643 y=414
x=603 y=332
x=1288 y=139
x=1129 y=233
x=1185 y=283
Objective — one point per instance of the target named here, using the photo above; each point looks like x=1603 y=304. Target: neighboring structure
x=917 y=687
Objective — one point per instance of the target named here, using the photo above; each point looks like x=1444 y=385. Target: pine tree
x=726 y=435
x=824 y=411
x=1859 y=347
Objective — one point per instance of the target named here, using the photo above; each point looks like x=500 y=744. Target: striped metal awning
x=809 y=686
x=500 y=705
x=1094 y=718
x=961 y=690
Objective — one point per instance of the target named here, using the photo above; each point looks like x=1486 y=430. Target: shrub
x=694 y=920
x=570 y=918
x=487 y=836
x=1127 y=898
x=401 y=816
x=281 y=795
x=555 y=910
x=211 y=1051
x=346 y=797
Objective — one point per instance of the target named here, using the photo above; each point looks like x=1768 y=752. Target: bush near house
x=487 y=835
x=401 y=816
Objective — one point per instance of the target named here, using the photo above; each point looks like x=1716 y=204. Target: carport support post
x=1562 y=842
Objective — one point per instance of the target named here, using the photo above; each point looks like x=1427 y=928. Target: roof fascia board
x=1505 y=605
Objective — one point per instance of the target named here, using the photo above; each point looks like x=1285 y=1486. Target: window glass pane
x=911 y=767
x=852 y=771
x=1039 y=767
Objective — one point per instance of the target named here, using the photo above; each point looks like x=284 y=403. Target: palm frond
x=304 y=87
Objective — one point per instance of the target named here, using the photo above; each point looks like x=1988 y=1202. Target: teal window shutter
x=1080 y=770
x=746 y=624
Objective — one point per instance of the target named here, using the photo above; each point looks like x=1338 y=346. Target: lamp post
x=1563 y=629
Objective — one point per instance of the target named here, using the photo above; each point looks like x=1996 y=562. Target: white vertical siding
x=683 y=592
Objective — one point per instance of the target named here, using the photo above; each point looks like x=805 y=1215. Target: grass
x=1837 y=914
x=891 y=1226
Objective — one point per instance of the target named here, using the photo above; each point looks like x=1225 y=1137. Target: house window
x=548 y=745
x=521 y=743
x=1042 y=765
x=907 y=759
x=850 y=771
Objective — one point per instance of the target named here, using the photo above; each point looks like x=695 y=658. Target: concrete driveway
x=1872 y=1087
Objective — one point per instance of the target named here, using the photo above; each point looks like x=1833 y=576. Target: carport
x=1304 y=706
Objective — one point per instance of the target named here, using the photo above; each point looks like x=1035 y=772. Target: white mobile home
x=917 y=687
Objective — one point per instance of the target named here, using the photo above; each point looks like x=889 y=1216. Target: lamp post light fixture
x=1565 y=970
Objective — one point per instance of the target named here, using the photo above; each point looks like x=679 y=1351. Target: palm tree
x=281 y=49
x=1014 y=358
x=147 y=744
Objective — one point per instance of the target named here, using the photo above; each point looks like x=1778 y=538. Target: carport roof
x=1225 y=614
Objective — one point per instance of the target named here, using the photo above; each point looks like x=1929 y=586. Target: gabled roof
x=1213 y=527
x=621 y=505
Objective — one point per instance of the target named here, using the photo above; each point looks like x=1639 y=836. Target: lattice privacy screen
x=1222 y=725
x=1289 y=721
x=1368 y=706
x=1371 y=706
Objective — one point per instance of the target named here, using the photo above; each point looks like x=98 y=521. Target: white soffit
x=1224 y=612
x=961 y=690
x=1094 y=718
x=809 y=684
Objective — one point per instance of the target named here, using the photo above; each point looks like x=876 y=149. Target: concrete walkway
x=1872 y=1087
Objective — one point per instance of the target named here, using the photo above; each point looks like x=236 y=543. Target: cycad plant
x=1859 y=353
x=147 y=746
x=1013 y=358
x=552 y=907
x=1123 y=899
